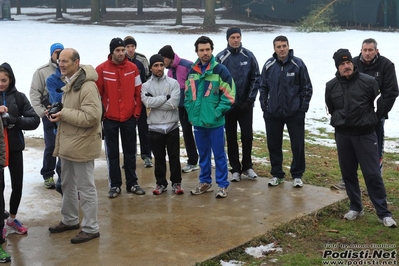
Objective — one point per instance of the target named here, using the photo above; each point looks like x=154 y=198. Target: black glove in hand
x=148 y=94
x=167 y=97
x=12 y=120
x=247 y=105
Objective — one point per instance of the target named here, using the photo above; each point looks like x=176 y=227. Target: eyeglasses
x=62 y=61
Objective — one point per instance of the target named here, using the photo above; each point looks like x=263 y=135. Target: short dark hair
x=280 y=38
x=75 y=55
x=203 y=40
x=370 y=40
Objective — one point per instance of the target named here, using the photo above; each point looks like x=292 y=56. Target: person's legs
x=49 y=161
x=129 y=147
x=188 y=137
x=231 y=138
x=379 y=130
x=111 y=141
x=144 y=136
x=158 y=146
x=70 y=202
x=202 y=139
x=217 y=143
x=88 y=195
x=245 y=120
x=348 y=163
x=274 y=135
x=296 y=131
x=16 y=166
x=368 y=155
x=173 y=148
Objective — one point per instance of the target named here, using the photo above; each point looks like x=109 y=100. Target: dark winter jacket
x=355 y=104
x=22 y=115
x=244 y=68
x=285 y=87
x=179 y=71
x=140 y=66
x=383 y=70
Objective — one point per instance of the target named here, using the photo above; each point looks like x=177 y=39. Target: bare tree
x=58 y=12
x=140 y=6
x=18 y=3
x=103 y=5
x=209 y=17
x=95 y=11
x=179 y=15
x=64 y=6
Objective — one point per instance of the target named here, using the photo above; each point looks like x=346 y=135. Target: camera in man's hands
x=5 y=117
x=54 y=108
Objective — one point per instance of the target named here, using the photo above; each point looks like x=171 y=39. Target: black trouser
x=16 y=167
x=160 y=143
x=144 y=136
x=245 y=121
x=379 y=130
x=129 y=146
x=362 y=150
x=188 y=137
x=296 y=130
x=49 y=162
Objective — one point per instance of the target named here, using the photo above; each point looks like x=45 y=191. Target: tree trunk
x=116 y=3
x=179 y=15
x=140 y=6
x=64 y=6
x=18 y=3
x=209 y=17
x=103 y=5
x=58 y=12
x=95 y=11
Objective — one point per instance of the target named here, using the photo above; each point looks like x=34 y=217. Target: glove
x=11 y=120
x=148 y=94
x=167 y=97
x=247 y=105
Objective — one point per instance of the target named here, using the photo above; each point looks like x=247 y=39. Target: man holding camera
x=39 y=99
x=78 y=143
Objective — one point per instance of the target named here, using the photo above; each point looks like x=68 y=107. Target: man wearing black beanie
x=119 y=86
x=244 y=68
x=354 y=102
x=142 y=64
x=178 y=70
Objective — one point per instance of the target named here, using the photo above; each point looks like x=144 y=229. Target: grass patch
x=304 y=239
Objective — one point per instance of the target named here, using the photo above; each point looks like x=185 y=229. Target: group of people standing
x=209 y=97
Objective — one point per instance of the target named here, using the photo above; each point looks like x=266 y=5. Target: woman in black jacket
x=17 y=115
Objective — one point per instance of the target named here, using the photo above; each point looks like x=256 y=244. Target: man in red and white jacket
x=119 y=85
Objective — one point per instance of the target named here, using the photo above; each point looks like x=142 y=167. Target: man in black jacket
x=382 y=69
x=244 y=68
x=355 y=105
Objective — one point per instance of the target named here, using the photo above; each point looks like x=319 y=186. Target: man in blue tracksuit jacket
x=244 y=69
x=285 y=92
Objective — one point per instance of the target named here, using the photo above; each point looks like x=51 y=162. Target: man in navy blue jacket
x=244 y=68
x=285 y=92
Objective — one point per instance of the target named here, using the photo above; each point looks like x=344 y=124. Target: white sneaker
x=250 y=173
x=236 y=177
x=222 y=193
x=275 y=181
x=297 y=182
x=352 y=215
x=388 y=221
x=189 y=168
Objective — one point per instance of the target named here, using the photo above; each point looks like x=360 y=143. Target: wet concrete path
x=154 y=230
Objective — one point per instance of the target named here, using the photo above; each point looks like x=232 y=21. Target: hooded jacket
x=209 y=95
x=285 y=87
x=79 y=131
x=178 y=71
x=244 y=68
x=383 y=70
x=19 y=108
x=119 y=87
x=354 y=104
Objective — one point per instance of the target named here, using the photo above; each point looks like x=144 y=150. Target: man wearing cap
x=160 y=94
x=354 y=102
x=39 y=99
x=285 y=92
x=244 y=68
x=178 y=70
x=145 y=149
x=119 y=85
